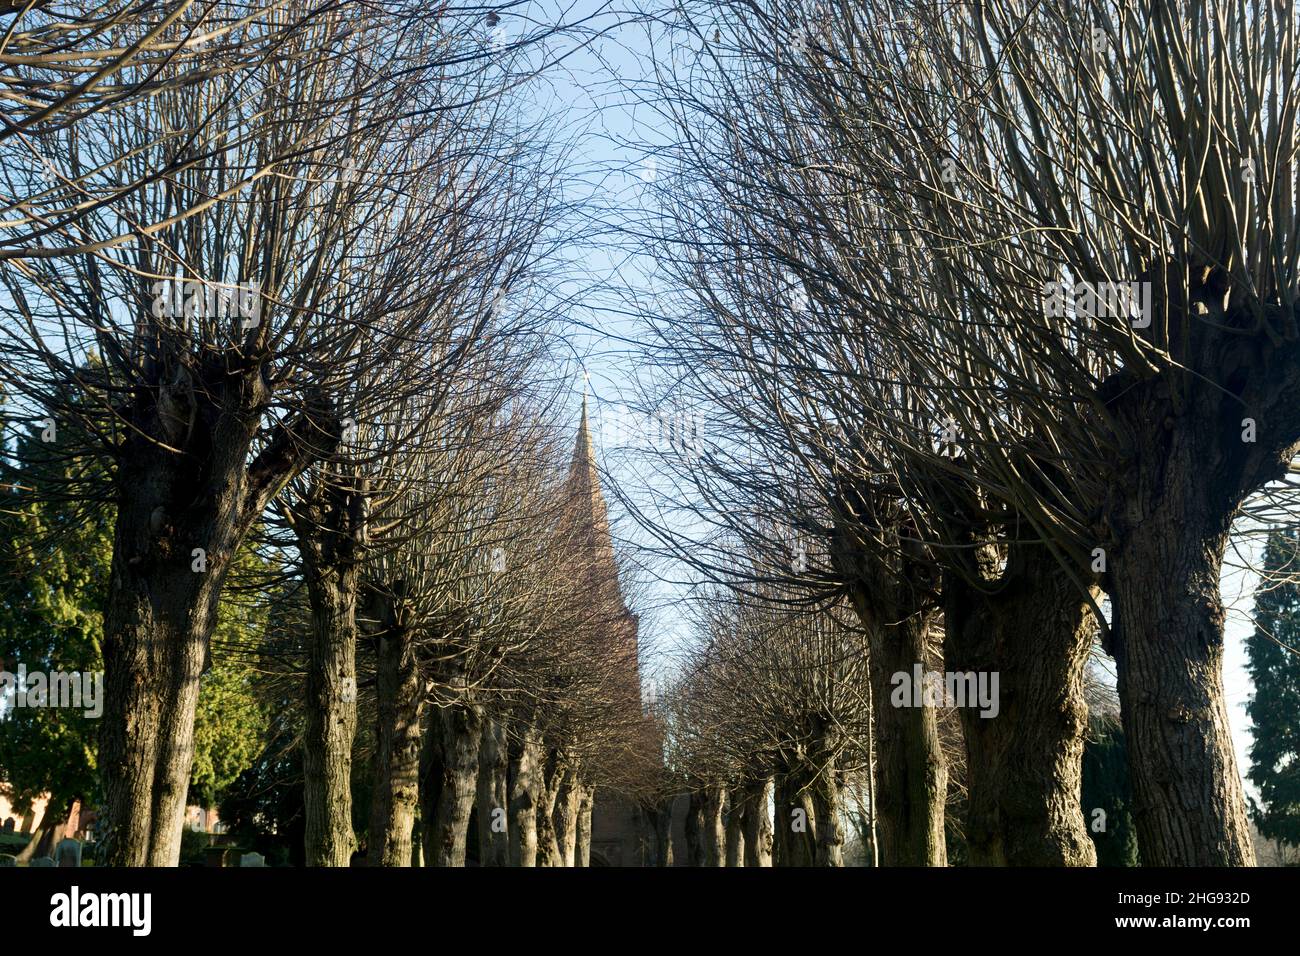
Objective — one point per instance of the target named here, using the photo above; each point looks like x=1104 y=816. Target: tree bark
x=493 y=796
x=826 y=797
x=153 y=658
x=911 y=779
x=330 y=524
x=525 y=794
x=1032 y=627
x=181 y=518
x=735 y=829
x=658 y=839
x=893 y=596
x=780 y=822
x=713 y=833
x=45 y=836
x=330 y=726
x=400 y=699
x=1167 y=638
x=161 y=610
x=695 y=836
x=757 y=823
x=459 y=732
x=566 y=816
x=582 y=849
x=796 y=819
x=552 y=777
x=1196 y=439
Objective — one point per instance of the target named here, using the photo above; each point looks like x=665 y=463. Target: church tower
x=615 y=821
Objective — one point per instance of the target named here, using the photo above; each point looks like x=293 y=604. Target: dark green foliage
x=1106 y=788
x=1273 y=651
x=263 y=806
x=54 y=574
x=54 y=567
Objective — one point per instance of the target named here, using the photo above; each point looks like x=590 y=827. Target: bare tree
x=218 y=359
x=919 y=180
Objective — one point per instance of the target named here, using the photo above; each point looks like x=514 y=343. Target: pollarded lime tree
x=1105 y=336
x=202 y=291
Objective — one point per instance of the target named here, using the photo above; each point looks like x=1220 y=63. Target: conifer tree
x=1274 y=708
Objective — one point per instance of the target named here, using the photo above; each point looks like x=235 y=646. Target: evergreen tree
x=57 y=538
x=1106 y=789
x=1273 y=651
x=54 y=569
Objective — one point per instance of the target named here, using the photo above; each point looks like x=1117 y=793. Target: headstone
x=252 y=859
x=9 y=825
x=8 y=859
x=218 y=856
x=68 y=852
x=41 y=861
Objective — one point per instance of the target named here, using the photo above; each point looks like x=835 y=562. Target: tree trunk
x=459 y=733
x=911 y=779
x=714 y=834
x=757 y=823
x=430 y=783
x=891 y=594
x=330 y=721
x=45 y=837
x=1033 y=629
x=1189 y=809
x=827 y=805
x=735 y=828
x=161 y=610
x=330 y=525
x=658 y=839
x=566 y=816
x=797 y=818
x=188 y=660
x=582 y=849
x=525 y=794
x=664 y=833
x=780 y=822
x=1218 y=422
x=493 y=798
x=552 y=777
x=152 y=667
x=330 y=726
x=400 y=699
x=181 y=518
x=695 y=836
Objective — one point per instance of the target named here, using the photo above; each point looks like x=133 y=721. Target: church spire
x=583 y=467
x=584 y=488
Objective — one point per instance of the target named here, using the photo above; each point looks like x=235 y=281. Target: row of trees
x=984 y=315
x=989 y=312
x=276 y=350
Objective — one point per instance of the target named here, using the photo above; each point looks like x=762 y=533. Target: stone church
x=617 y=831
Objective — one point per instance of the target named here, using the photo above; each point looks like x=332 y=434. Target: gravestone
x=68 y=852
x=41 y=861
x=252 y=859
x=218 y=856
x=9 y=825
x=8 y=859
